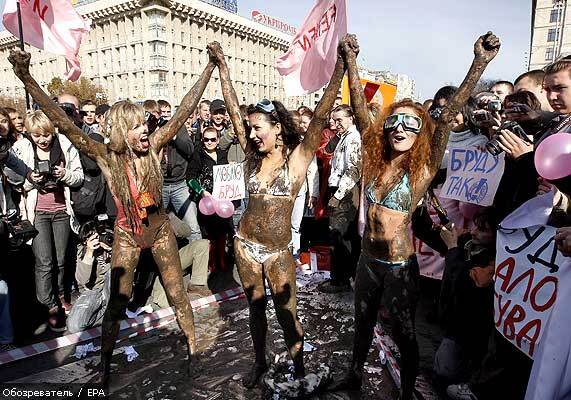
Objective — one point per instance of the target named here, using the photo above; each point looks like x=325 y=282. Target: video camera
x=17 y=230
x=493 y=145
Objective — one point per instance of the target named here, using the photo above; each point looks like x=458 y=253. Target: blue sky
x=429 y=40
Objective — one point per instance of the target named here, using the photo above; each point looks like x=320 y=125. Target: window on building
x=552 y=35
x=549 y=54
x=554 y=17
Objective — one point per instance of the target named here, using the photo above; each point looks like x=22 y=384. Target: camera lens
x=493 y=147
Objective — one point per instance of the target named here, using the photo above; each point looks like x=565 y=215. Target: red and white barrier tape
x=394 y=369
x=75 y=338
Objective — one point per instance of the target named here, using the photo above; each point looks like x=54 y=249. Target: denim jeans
x=89 y=308
x=53 y=233
x=177 y=195
x=296 y=218
x=6 y=331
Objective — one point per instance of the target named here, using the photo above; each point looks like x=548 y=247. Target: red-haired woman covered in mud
x=275 y=167
x=402 y=153
x=132 y=169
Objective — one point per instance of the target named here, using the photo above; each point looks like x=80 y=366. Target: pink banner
x=308 y=64
x=50 y=25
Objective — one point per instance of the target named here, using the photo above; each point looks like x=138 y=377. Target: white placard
x=229 y=182
x=473 y=176
x=530 y=275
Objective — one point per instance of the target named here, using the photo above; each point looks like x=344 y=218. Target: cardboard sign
x=229 y=182
x=530 y=274
x=473 y=176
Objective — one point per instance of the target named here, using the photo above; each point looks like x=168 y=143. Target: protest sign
x=309 y=62
x=229 y=182
x=530 y=274
x=473 y=176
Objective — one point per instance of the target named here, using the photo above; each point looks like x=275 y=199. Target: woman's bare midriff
x=387 y=235
x=267 y=221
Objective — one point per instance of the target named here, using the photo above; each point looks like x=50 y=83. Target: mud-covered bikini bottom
x=259 y=252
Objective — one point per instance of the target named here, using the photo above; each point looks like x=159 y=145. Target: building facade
x=140 y=49
x=550 y=32
x=406 y=87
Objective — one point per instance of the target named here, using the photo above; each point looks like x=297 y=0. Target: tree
x=83 y=89
x=55 y=87
x=17 y=103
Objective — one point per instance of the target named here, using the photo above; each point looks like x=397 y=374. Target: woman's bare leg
x=252 y=278
x=124 y=260
x=165 y=253
x=280 y=273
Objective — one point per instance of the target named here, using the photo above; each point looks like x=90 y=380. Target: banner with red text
x=50 y=25
x=530 y=275
x=308 y=64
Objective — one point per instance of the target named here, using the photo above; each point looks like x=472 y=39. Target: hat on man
x=217 y=105
x=102 y=109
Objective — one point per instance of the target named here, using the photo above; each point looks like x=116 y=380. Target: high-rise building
x=550 y=32
x=139 y=49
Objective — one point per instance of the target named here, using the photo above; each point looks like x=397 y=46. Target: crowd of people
x=360 y=178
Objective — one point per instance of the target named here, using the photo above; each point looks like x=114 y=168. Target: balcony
x=158 y=62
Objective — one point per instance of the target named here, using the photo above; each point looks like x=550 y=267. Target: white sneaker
x=460 y=392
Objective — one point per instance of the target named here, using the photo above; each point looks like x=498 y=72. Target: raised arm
x=186 y=107
x=230 y=98
x=303 y=153
x=358 y=100
x=485 y=49
x=20 y=61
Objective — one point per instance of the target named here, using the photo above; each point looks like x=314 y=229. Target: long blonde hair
x=124 y=116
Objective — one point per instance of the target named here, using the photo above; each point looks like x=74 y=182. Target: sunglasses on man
x=209 y=140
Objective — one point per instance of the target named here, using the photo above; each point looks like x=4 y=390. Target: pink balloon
x=207 y=205
x=553 y=156
x=224 y=208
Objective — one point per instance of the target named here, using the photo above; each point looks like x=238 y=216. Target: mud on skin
x=267 y=220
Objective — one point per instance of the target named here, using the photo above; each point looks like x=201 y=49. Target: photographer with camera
x=56 y=168
x=92 y=274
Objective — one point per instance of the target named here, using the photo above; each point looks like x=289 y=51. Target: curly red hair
x=377 y=149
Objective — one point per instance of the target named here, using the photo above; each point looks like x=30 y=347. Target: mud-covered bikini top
x=280 y=186
x=399 y=197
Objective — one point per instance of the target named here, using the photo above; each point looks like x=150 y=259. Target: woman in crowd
x=403 y=152
x=57 y=168
x=216 y=229
x=276 y=165
x=132 y=169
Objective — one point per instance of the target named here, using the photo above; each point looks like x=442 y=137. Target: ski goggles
x=409 y=122
x=268 y=107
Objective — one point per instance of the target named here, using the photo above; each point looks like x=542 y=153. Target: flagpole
x=22 y=48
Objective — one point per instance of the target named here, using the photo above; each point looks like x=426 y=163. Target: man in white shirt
x=346 y=166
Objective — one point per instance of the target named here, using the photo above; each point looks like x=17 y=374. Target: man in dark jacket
x=174 y=163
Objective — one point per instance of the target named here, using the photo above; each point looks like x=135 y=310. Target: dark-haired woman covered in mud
x=275 y=167
x=132 y=169
x=402 y=153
